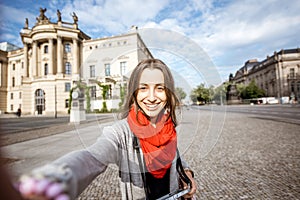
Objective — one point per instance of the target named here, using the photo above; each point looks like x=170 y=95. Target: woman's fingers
x=27 y=186
x=42 y=189
x=194 y=186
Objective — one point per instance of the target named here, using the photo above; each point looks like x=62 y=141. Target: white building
x=56 y=56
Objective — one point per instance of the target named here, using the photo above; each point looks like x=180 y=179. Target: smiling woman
x=143 y=144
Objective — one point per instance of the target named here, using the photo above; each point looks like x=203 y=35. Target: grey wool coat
x=115 y=146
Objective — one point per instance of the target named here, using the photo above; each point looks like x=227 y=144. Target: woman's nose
x=151 y=94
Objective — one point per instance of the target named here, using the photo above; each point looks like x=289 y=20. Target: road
x=235 y=154
x=288 y=113
x=14 y=124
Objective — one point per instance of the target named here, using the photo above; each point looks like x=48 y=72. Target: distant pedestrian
x=143 y=144
x=19 y=112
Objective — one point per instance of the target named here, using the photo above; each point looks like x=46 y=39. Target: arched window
x=68 y=68
x=13 y=81
x=39 y=101
x=46 y=49
x=46 y=69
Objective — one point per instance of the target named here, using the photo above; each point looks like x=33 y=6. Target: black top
x=157 y=187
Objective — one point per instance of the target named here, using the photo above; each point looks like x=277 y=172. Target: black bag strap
x=136 y=146
x=181 y=171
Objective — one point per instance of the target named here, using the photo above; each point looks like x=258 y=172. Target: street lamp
x=55 y=102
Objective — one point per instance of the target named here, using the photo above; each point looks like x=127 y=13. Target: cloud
x=243 y=24
x=114 y=16
x=230 y=31
x=10 y=20
x=10 y=14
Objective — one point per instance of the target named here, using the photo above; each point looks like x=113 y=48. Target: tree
x=180 y=93
x=105 y=89
x=200 y=94
x=250 y=91
x=220 y=93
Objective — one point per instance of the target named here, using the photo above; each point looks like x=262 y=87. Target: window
x=11 y=95
x=68 y=68
x=67 y=87
x=46 y=49
x=13 y=81
x=20 y=95
x=93 y=92
x=11 y=107
x=46 y=69
x=68 y=48
x=22 y=65
x=39 y=101
x=67 y=103
x=292 y=73
x=122 y=68
x=107 y=69
x=292 y=87
x=92 y=71
x=14 y=66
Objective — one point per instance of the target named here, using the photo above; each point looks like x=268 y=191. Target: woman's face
x=151 y=96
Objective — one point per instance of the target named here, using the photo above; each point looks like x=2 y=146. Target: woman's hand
x=45 y=183
x=194 y=185
x=42 y=189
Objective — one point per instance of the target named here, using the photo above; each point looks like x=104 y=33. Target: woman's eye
x=142 y=88
x=160 y=88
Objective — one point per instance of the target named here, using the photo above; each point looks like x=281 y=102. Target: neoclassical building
x=278 y=75
x=57 y=56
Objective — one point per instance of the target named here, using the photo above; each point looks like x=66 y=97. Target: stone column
x=278 y=80
x=75 y=66
x=33 y=69
x=50 y=56
x=26 y=59
x=281 y=78
x=1 y=73
x=59 y=55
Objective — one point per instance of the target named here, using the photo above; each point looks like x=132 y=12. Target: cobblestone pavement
x=251 y=158
x=234 y=156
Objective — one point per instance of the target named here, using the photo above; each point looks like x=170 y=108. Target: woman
x=143 y=145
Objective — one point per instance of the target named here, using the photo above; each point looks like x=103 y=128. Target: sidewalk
x=31 y=153
x=32 y=127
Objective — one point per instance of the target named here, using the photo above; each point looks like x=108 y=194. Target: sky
x=228 y=32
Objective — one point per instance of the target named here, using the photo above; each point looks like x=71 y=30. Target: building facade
x=57 y=56
x=278 y=75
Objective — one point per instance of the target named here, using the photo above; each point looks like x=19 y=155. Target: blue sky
x=230 y=31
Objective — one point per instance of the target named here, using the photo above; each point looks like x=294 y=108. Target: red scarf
x=158 y=144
